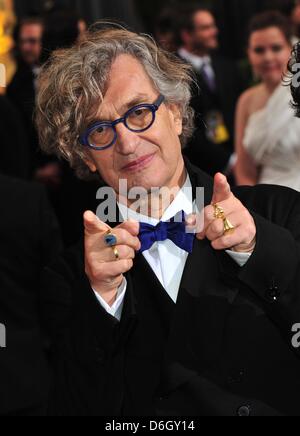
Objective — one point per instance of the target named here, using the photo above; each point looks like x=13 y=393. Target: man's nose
x=127 y=141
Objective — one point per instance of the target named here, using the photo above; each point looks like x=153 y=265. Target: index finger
x=93 y=225
x=222 y=189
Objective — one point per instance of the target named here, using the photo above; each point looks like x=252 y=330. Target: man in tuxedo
x=215 y=92
x=29 y=239
x=154 y=316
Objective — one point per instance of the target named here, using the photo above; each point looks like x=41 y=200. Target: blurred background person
x=62 y=27
x=295 y=19
x=215 y=92
x=14 y=157
x=267 y=132
x=291 y=9
x=7 y=25
x=165 y=30
x=36 y=37
x=22 y=89
x=30 y=239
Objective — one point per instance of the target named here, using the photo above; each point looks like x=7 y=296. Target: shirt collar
x=197 y=61
x=182 y=202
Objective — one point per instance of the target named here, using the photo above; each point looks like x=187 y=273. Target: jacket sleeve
x=86 y=345
x=273 y=271
x=67 y=300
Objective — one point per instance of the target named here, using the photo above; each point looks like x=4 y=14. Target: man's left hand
x=243 y=238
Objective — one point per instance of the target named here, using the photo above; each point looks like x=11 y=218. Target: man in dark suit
x=29 y=239
x=14 y=141
x=146 y=318
x=215 y=92
x=22 y=90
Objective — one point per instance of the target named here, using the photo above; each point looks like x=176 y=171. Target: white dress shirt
x=198 y=62
x=165 y=258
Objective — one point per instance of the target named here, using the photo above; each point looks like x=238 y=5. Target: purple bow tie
x=173 y=230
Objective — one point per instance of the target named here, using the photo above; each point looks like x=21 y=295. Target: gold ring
x=219 y=212
x=116 y=253
x=228 y=227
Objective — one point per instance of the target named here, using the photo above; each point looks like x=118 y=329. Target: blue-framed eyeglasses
x=103 y=134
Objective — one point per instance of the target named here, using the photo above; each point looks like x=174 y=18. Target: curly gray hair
x=72 y=83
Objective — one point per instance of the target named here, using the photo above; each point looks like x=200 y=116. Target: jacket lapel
x=202 y=250
x=196 y=333
x=204 y=262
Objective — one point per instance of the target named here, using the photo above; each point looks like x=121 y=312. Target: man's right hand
x=104 y=271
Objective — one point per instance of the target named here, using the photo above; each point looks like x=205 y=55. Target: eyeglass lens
x=136 y=120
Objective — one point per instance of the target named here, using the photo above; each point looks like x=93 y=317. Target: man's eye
x=139 y=112
x=99 y=130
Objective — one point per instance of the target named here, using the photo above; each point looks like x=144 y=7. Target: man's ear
x=89 y=162
x=186 y=37
x=176 y=118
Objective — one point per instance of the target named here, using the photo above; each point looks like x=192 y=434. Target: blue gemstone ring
x=110 y=239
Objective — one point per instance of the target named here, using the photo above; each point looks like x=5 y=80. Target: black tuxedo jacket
x=29 y=240
x=224 y=349
x=208 y=156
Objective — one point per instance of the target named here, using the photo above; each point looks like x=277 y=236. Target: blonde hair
x=73 y=81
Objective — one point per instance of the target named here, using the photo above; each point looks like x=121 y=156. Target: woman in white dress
x=267 y=131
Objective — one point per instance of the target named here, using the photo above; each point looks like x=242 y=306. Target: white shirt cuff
x=116 y=309
x=231 y=164
x=240 y=258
